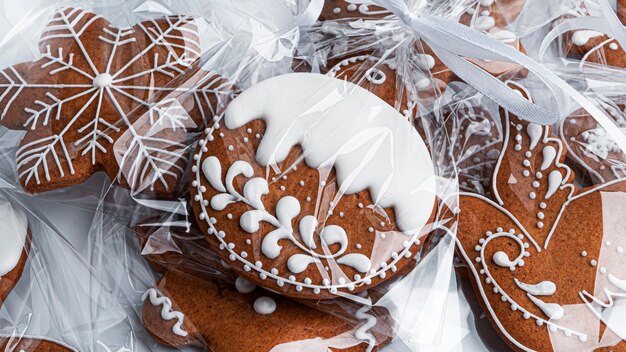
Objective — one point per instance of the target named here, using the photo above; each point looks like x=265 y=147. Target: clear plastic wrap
x=258 y=180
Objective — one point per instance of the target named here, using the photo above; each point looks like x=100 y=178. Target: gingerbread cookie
x=102 y=98
x=338 y=9
x=312 y=185
x=14 y=244
x=546 y=258
x=590 y=147
x=27 y=344
x=185 y=310
x=592 y=46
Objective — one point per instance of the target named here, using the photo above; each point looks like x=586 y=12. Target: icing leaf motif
x=254 y=190
x=212 y=170
x=298 y=263
x=357 y=261
x=307 y=227
x=237 y=168
x=333 y=234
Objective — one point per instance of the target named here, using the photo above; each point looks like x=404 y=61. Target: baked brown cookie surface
x=312 y=185
x=103 y=98
x=27 y=344
x=591 y=148
x=546 y=259
x=14 y=244
x=185 y=310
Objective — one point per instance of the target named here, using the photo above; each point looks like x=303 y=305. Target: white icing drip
x=13 y=230
x=554 y=181
x=362 y=332
x=549 y=153
x=544 y=288
x=581 y=38
x=534 y=132
x=156 y=299
x=326 y=117
x=244 y=286
x=358 y=261
x=552 y=310
x=264 y=305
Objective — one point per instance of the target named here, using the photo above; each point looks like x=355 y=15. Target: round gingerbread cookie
x=14 y=244
x=312 y=185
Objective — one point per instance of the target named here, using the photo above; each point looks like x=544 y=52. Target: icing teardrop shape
x=534 y=133
x=254 y=189
x=357 y=261
x=549 y=154
x=287 y=208
x=544 y=288
x=552 y=310
x=554 y=181
x=298 y=263
x=502 y=259
x=212 y=170
x=307 y=226
x=333 y=234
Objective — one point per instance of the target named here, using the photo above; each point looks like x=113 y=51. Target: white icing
x=338 y=123
x=581 y=38
x=504 y=36
x=554 y=181
x=486 y=3
x=307 y=226
x=621 y=284
x=13 y=230
x=264 y=305
x=244 y=286
x=549 y=154
x=424 y=61
x=534 y=132
x=484 y=23
x=357 y=261
x=552 y=310
x=298 y=263
x=544 y=288
x=502 y=259
x=167 y=313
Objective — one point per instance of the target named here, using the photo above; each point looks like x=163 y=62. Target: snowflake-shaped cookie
x=102 y=98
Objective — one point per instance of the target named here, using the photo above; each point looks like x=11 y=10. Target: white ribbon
x=452 y=42
x=310 y=15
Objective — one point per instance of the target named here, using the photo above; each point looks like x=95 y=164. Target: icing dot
x=540 y=224
x=543 y=205
x=593 y=262
x=540 y=215
x=282 y=188
x=526 y=173
x=301 y=183
x=528 y=154
x=229 y=215
x=613 y=46
x=248 y=241
x=526 y=163
x=244 y=286
x=518 y=147
x=603 y=270
x=539 y=175
x=351 y=7
x=336 y=10
x=532 y=195
x=620 y=250
x=231 y=148
x=608 y=243
x=358 y=246
x=264 y=305
x=221 y=134
x=360 y=205
x=246 y=139
x=341 y=214
x=244 y=254
x=584 y=253
x=102 y=80
x=536 y=184
x=371 y=229
x=249 y=130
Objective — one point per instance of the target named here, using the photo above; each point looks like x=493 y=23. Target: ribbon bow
x=453 y=42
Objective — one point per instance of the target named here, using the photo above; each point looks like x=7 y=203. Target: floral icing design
x=287 y=209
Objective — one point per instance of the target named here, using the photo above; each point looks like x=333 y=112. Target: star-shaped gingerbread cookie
x=103 y=98
x=546 y=258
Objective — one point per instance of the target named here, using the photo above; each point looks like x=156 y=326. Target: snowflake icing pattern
x=102 y=98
